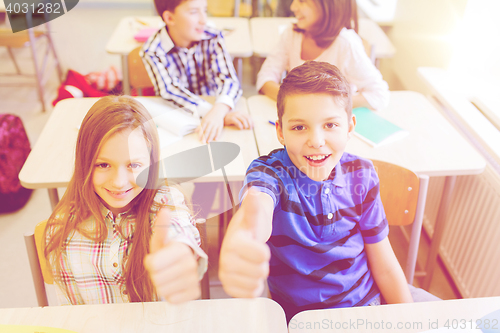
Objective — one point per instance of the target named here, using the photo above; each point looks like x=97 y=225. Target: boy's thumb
x=160 y=230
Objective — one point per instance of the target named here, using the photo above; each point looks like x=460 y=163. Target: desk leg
x=125 y=82
x=238 y=62
x=439 y=229
x=54 y=197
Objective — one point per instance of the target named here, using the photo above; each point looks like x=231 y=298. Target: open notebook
x=172 y=122
x=374 y=129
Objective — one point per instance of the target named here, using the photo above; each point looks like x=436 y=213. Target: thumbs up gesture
x=171 y=265
x=244 y=258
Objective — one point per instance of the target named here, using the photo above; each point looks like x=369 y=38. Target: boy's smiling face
x=315 y=131
x=187 y=23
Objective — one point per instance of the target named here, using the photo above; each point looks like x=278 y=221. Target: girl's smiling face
x=308 y=14
x=120 y=160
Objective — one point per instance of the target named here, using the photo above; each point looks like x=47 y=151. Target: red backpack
x=14 y=149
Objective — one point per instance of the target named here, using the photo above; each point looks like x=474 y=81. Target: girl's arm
x=275 y=64
x=270 y=89
x=387 y=272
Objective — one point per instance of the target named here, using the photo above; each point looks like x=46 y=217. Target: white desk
x=51 y=161
x=122 y=40
x=380 y=11
x=458 y=92
x=266 y=32
x=404 y=318
x=433 y=148
x=261 y=315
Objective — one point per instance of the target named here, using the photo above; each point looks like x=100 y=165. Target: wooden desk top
x=457 y=92
x=407 y=318
x=266 y=32
x=238 y=42
x=51 y=161
x=433 y=148
x=259 y=315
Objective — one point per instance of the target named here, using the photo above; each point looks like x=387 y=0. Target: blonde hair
x=108 y=116
x=336 y=15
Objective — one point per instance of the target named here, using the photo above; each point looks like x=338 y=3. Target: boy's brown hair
x=314 y=77
x=163 y=5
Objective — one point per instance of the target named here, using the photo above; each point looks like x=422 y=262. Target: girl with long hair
x=326 y=30
x=98 y=237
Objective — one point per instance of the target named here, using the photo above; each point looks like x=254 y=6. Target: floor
x=80 y=37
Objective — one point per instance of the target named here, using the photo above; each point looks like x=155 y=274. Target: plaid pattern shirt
x=182 y=75
x=93 y=272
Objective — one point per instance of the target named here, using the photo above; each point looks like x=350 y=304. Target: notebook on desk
x=172 y=122
x=374 y=129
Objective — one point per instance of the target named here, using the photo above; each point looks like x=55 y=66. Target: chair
x=39 y=269
x=138 y=76
x=403 y=195
x=30 y=38
x=42 y=275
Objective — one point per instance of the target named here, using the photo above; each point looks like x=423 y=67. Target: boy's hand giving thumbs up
x=171 y=265
x=244 y=259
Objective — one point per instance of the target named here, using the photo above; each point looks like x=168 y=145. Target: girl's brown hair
x=108 y=116
x=336 y=14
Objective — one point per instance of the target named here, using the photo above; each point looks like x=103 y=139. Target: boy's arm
x=387 y=272
x=244 y=258
x=168 y=86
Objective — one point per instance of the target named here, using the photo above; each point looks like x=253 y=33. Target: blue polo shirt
x=319 y=231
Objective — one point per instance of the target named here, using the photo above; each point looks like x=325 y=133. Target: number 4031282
x=34 y=8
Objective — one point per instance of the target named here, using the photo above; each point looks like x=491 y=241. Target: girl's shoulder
x=349 y=36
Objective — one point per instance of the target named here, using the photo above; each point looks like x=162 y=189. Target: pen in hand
x=272 y=123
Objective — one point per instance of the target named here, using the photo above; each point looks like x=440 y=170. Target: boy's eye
x=135 y=165
x=298 y=128
x=102 y=165
x=330 y=125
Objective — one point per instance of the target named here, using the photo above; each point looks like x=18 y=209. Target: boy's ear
x=279 y=133
x=352 y=125
x=168 y=17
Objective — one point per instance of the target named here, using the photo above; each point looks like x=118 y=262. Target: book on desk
x=172 y=123
x=374 y=129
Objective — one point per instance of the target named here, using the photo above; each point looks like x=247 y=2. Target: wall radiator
x=470 y=248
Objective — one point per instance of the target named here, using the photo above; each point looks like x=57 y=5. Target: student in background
x=317 y=207
x=326 y=31
x=187 y=59
x=113 y=219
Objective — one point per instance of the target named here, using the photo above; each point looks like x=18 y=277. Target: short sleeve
x=263 y=177
x=373 y=223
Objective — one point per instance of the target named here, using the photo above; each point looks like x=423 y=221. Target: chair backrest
x=398 y=191
x=370 y=50
x=40 y=271
x=403 y=195
x=138 y=76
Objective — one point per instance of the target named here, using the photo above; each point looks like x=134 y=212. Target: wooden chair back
x=138 y=76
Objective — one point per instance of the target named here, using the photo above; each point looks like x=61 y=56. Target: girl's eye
x=102 y=165
x=135 y=165
x=298 y=128
x=330 y=125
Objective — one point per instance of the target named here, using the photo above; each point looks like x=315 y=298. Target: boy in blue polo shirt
x=317 y=207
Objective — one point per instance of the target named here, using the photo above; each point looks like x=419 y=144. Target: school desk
x=265 y=32
x=380 y=11
x=236 y=34
x=461 y=315
x=433 y=147
x=51 y=161
x=260 y=315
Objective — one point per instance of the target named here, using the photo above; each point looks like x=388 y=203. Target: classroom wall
x=423 y=34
